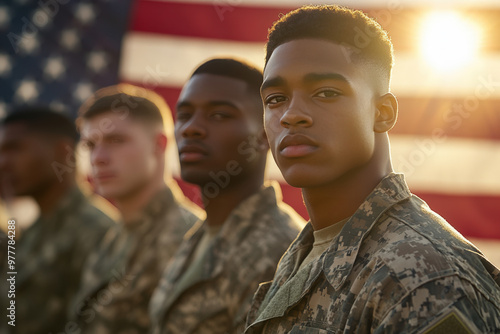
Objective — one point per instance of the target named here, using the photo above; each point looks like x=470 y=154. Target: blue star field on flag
x=57 y=52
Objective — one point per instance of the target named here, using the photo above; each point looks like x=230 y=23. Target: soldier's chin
x=107 y=192
x=297 y=178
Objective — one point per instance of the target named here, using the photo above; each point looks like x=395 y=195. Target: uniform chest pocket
x=301 y=329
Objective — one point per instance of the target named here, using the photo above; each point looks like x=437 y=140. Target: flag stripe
x=173 y=58
x=245 y=21
x=469 y=214
x=357 y=3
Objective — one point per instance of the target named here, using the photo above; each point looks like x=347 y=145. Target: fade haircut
x=126 y=100
x=235 y=69
x=364 y=38
x=43 y=120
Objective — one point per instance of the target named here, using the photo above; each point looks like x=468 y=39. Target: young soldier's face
x=216 y=130
x=123 y=154
x=26 y=160
x=319 y=112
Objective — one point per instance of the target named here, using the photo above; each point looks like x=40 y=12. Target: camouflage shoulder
x=444 y=305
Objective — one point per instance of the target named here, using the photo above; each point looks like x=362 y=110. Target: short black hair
x=235 y=69
x=128 y=100
x=43 y=120
x=351 y=28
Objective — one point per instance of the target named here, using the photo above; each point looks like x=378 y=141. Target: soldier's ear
x=160 y=142
x=386 y=113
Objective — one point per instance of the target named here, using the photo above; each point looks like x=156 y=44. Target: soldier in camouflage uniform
x=208 y=287
x=124 y=127
x=374 y=258
x=36 y=146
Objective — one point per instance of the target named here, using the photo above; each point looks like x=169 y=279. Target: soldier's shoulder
x=417 y=246
x=93 y=213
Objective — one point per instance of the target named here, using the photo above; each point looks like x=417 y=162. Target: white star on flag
x=54 y=67
x=85 y=13
x=97 y=61
x=5 y=65
x=27 y=90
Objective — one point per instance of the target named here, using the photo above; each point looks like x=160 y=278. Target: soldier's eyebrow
x=307 y=79
x=273 y=82
x=315 y=77
x=183 y=104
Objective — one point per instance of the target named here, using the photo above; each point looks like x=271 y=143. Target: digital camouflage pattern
x=49 y=261
x=396 y=267
x=120 y=277
x=244 y=253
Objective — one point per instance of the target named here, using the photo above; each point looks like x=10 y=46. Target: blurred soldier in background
x=222 y=146
x=126 y=130
x=37 y=159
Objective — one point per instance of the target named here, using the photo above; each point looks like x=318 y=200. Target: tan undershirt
x=322 y=239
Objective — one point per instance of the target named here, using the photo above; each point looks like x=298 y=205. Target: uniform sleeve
x=445 y=305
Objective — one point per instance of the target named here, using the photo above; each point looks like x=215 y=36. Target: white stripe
x=362 y=4
x=448 y=165
x=441 y=165
x=174 y=58
x=168 y=61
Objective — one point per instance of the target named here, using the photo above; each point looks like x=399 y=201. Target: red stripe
x=450 y=117
x=424 y=116
x=237 y=23
x=472 y=216
x=245 y=23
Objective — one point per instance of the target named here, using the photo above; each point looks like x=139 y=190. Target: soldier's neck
x=132 y=204
x=49 y=198
x=330 y=203
x=219 y=207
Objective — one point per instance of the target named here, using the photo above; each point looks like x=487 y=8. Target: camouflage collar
x=235 y=228
x=160 y=203
x=67 y=204
x=244 y=215
x=339 y=259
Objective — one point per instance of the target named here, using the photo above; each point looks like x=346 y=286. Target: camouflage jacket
x=244 y=253
x=396 y=267
x=49 y=261
x=121 y=275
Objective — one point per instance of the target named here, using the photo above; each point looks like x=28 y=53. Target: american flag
x=57 y=52
x=446 y=141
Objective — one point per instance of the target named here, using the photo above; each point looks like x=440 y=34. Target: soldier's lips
x=192 y=152
x=296 y=146
x=104 y=177
x=191 y=156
